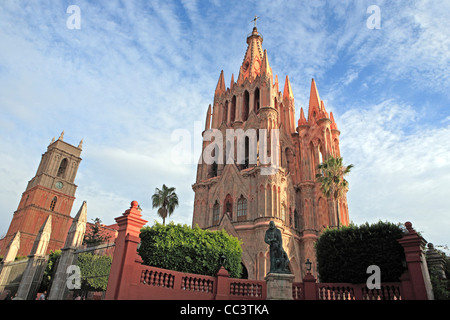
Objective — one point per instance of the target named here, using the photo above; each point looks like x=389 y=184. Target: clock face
x=59 y=185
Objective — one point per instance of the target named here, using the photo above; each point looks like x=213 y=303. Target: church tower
x=239 y=190
x=51 y=192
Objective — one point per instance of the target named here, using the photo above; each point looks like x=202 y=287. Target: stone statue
x=279 y=260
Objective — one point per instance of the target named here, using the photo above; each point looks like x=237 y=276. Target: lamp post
x=222 y=260
x=308 y=265
x=310 y=290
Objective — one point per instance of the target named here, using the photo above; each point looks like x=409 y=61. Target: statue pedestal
x=279 y=286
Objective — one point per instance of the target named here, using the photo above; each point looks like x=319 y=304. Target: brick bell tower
x=51 y=192
x=239 y=196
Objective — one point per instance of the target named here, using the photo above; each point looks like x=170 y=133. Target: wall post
x=309 y=283
x=413 y=245
x=125 y=252
x=223 y=285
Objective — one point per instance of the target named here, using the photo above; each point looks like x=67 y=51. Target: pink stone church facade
x=238 y=195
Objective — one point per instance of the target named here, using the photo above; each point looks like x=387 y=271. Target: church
x=236 y=192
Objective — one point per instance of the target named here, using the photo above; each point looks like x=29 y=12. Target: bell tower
x=51 y=192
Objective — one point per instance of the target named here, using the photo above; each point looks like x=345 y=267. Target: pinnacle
x=287 y=93
x=220 y=88
x=314 y=99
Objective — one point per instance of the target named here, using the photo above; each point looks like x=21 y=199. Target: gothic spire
x=12 y=248
x=78 y=228
x=251 y=66
x=333 y=123
x=287 y=93
x=302 y=121
x=265 y=67
x=40 y=244
x=220 y=88
x=314 y=101
x=208 y=118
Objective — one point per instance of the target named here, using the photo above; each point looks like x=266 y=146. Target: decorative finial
x=254 y=20
x=134 y=204
x=80 y=146
x=409 y=227
x=53 y=140
x=61 y=137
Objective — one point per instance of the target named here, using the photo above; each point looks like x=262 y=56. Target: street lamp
x=308 y=265
x=222 y=260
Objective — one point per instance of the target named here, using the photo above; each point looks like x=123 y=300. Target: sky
x=124 y=76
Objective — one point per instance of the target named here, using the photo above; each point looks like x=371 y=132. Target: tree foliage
x=343 y=255
x=441 y=285
x=94 y=271
x=49 y=270
x=192 y=250
x=332 y=181
x=95 y=236
x=166 y=200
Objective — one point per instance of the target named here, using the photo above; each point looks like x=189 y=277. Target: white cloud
x=398 y=176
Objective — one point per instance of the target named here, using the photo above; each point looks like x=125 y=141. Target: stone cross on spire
x=254 y=20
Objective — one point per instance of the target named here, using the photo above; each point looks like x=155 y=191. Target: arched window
x=216 y=213
x=245 y=165
x=233 y=109
x=246 y=106
x=312 y=161
x=212 y=172
x=256 y=100
x=62 y=168
x=321 y=159
x=242 y=209
x=225 y=113
x=53 y=203
x=228 y=205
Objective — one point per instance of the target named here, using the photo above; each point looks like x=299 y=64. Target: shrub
x=344 y=254
x=94 y=271
x=192 y=250
x=49 y=270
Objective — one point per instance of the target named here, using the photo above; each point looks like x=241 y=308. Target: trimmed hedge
x=192 y=250
x=94 y=271
x=344 y=254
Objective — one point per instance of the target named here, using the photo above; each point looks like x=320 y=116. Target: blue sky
x=136 y=71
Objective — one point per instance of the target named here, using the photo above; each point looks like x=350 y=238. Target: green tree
x=94 y=271
x=49 y=270
x=166 y=200
x=344 y=254
x=332 y=182
x=192 y=250
x=94 y=236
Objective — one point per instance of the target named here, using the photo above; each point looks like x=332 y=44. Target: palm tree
x=331 y=179
x=166 y=200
